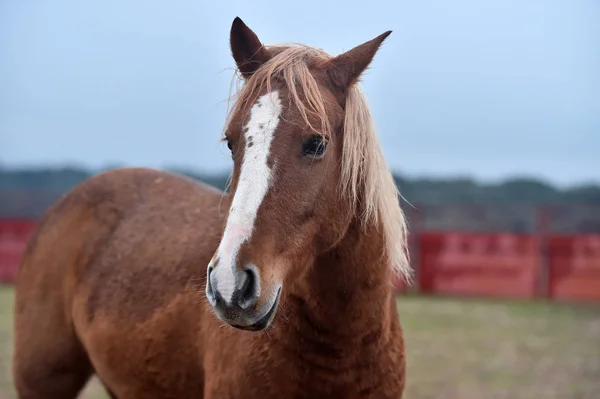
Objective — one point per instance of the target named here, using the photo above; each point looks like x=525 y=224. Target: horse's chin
x=261 y=322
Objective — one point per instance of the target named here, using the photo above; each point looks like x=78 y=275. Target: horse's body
x=113 y=283
x=110 y=284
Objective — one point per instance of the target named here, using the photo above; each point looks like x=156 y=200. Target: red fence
x=510 y=265
x=484 y=264
x=574 y=267
x=13 y=238
x=525 y=266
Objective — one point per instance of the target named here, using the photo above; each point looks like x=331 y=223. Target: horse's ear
x=345 y=69
x=248 y=52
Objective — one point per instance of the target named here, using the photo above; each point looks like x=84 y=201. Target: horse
x=278 y=286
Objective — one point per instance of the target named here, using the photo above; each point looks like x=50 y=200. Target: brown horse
x=167 y=288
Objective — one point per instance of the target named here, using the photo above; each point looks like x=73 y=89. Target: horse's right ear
x=248 y=52
x=345 y=69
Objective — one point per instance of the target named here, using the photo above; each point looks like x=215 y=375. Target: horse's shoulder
x=168 y=229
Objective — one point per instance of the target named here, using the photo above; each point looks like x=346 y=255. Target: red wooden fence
x=13 y=239
x=574 y=267
x=482 y=264
x=452 y=263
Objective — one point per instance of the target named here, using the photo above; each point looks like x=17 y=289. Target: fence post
x=543 y=227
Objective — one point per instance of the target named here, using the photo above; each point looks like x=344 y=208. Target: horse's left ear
x=345 y=69
x=248 y=52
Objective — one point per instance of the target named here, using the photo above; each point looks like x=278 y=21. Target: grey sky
x=488 y=89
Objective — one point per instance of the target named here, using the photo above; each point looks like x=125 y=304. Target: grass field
x=463 y=349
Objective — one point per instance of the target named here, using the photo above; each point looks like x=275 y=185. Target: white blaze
x=253 y=184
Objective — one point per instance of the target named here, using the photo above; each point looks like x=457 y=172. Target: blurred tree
x=449 y=203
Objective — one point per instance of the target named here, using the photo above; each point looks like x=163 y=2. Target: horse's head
x=297 y=181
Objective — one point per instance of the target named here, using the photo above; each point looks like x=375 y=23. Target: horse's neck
x=347 y=294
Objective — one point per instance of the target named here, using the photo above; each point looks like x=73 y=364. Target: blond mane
x=364 y=170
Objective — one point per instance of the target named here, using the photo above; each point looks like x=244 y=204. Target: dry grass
x=498 y=349
x=463 y=349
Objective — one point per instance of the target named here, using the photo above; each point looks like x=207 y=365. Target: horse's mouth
x=264 y=321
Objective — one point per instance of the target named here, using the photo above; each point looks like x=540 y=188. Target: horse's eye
x=315 y=146
x=228 y=143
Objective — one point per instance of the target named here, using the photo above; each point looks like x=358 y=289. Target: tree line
x=28 y=192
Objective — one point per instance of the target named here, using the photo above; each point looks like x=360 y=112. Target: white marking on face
x=253 y=184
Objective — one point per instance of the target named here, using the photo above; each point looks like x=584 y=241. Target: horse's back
x=117 y=250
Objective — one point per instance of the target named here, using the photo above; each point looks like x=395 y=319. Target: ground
x=467 y=349
x=463 y=349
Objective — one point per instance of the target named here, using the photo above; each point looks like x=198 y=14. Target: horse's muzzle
x=236 y=301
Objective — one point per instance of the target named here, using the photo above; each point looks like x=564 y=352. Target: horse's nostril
x=210 y=293
x=245 y=282
x=248 y=288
